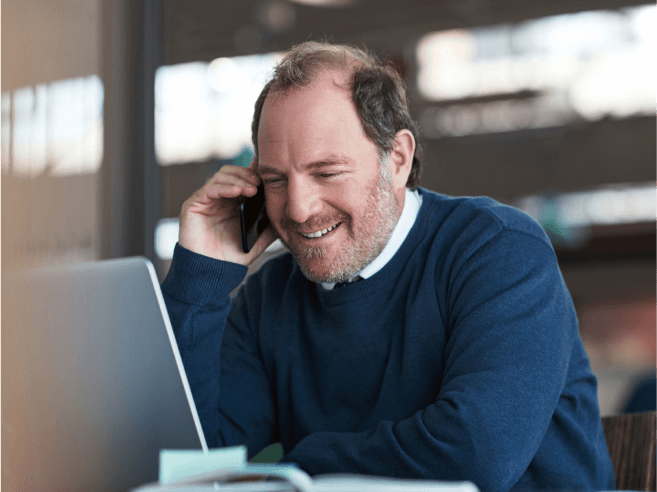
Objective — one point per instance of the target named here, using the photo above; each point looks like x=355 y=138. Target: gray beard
x=383 y=208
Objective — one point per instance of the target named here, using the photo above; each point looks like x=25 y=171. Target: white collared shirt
x=412 y=203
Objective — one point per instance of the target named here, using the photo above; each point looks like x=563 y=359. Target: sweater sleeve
x=510 y=324
x=197 y=291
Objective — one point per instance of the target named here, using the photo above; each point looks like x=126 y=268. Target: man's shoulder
x=477 y=215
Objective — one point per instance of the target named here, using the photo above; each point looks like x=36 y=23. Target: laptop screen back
x=92 y=386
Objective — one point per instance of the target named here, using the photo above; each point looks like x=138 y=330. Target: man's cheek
x=276 y=222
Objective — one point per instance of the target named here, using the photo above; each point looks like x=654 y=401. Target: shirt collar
x=412 y=203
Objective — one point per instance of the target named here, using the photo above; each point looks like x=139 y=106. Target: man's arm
x=208 y=263
x=511 y=329
x=196 y=291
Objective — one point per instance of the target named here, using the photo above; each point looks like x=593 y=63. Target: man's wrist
x=197 y=279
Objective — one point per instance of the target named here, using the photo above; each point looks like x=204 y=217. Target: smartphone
x=253 y=219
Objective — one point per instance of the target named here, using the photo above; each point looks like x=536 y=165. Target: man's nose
x=303 y=201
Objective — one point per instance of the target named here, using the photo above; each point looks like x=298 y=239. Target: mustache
x=314 y=223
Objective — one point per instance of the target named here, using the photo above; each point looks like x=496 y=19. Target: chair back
x=631 y=443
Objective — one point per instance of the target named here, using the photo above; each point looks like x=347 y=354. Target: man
x=451 y=353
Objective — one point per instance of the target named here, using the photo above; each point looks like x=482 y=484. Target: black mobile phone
x=253 y=219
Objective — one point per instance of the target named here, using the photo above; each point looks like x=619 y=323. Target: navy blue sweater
x=460 y=359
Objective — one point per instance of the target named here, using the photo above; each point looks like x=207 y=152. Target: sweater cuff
x=197 y=279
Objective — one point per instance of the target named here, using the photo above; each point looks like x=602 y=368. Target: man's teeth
x=320 y=233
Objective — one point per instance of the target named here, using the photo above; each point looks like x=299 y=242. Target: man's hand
x=210 y=223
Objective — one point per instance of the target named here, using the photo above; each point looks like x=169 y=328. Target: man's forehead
x=325 y=101
x=309 y=124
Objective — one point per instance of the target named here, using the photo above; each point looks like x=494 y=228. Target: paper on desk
x=363 y=483
x=178 y=464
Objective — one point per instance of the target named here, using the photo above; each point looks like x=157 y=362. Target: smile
x=320 y=233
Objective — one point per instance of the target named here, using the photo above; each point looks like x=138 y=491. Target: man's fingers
x=227 y=186
x=232 y=179
x=209 y=224
x=265 y=240
x=238 y=172
x=222 y=190
x=230 y=182
x=228 y=190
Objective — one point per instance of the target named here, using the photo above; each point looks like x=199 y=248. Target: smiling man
x=332 y=199
x=452 y=352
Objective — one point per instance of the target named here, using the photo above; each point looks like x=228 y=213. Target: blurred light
x=465 y=121
x=204 y=111
x=619 y=84
x=446 y=48
x=166 y=237
x=495 y=117
x=619 y=204
x=447 y=56
x=594 y=63
x=57 y=128
x=531 y=205
x=644 y=20
x=5 y=129
x=224 y=75
x=581 y=34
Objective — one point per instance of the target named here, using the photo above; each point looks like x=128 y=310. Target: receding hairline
x=341 y=78
x=337 y=79
x=317 y=58
x=304 y=64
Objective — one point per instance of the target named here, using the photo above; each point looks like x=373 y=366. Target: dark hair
x=377 y=90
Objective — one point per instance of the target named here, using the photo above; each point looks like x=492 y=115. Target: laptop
x=93 y=386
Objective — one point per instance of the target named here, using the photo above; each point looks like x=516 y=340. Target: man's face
x=327 y=196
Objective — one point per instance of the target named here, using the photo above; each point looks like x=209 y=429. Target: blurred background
x=114 y=112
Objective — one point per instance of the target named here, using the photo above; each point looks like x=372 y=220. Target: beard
x=376 y=225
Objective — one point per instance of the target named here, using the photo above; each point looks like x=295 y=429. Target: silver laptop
x=92 y=382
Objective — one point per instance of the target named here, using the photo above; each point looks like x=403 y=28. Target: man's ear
x=401 y=159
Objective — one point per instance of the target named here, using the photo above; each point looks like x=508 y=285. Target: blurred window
x=567 y=216
x=204 y=110
x=55 y=129
x=539 y=73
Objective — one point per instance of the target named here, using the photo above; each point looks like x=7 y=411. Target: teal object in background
x=243 y=158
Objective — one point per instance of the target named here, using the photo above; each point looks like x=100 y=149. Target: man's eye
x=328 y=175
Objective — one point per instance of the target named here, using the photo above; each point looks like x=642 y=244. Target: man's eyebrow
x=331 y=160
x=267 y=170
